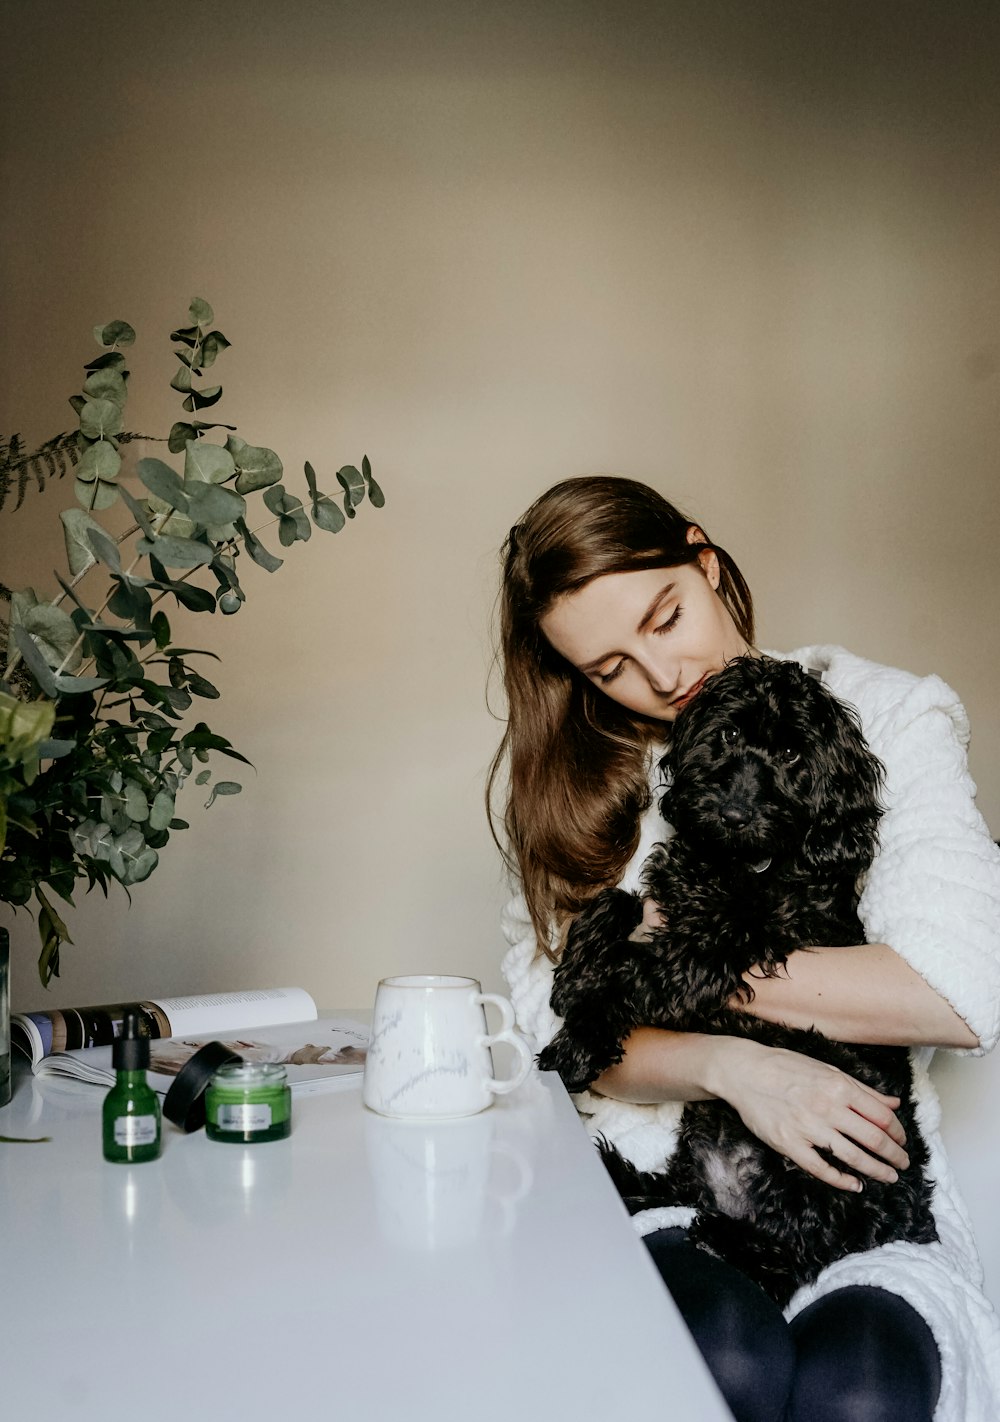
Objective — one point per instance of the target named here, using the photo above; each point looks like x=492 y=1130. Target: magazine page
x=40 y=1034
x=319 y=1054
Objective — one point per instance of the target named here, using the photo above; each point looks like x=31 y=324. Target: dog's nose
x=735 y=816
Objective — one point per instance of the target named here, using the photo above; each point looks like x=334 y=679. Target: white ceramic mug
x=429 y=1054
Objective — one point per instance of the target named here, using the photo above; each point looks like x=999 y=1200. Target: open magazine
x=267 y=1025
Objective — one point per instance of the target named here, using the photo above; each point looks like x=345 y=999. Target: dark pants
x=859 y=1354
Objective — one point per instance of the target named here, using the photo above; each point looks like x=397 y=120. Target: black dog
x=773 y=796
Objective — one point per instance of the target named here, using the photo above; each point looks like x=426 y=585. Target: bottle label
x=245 y=1116
x=135 y=1130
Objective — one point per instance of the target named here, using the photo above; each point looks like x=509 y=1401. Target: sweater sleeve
x=933 y=891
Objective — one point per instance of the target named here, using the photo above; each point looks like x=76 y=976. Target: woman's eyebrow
x=643 y=623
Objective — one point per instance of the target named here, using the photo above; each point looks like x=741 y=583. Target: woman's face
x=647 y=639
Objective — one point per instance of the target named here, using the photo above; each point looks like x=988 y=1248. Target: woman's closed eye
x=605 y=677
x=671 y=621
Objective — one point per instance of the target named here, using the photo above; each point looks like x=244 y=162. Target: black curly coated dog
x=774 y=799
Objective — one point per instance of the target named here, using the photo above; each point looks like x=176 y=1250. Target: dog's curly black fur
x=774 y=799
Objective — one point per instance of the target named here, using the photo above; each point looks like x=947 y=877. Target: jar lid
x=244 y=1074
x=184 y=1103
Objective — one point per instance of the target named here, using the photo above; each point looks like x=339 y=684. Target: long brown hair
x=577 y=761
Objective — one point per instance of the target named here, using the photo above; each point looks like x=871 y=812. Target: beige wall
x=751 y=257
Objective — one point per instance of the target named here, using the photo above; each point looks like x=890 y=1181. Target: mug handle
x=506 y=1034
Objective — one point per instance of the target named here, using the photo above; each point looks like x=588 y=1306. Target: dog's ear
x=845 y=794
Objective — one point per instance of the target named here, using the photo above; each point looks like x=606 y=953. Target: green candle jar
x=248 y=1102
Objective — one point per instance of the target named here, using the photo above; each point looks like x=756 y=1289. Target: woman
x=615 y=609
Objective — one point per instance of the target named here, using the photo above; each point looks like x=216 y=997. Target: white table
x=477 y=1269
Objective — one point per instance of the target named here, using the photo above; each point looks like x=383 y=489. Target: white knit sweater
x=932 y=894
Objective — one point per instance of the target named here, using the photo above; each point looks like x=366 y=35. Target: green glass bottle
x=131 y=1107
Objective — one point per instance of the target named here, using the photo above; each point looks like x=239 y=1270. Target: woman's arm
x=865 y=994
x=792 y=1102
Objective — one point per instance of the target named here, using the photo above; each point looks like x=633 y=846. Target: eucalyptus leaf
x=105 y=547
x=115 y=333
x=54 y=632
x=161 y=629
x=256 y=549
x=203 y=777
x=100 y=418
x=294 y=527
x=326 y=514
x=182 y=380
x=207 y=463
x=163 y=481
x=76 y=528
x=176 y=552
x=211 y=504
x=110 y=360
x=375 y=494
x=138 y=512
x=201 y=313
x=101 y=461
x=202 y=399
x=222 y=787
x=35 y=662
x=95 y=495
x=353 y=485
x=212 y=346
x=161 y=811
x=257 y=468
x=136 y=804
x=106 y=384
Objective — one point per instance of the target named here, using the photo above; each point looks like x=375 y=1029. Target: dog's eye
x=789 y=757
x=730 y=736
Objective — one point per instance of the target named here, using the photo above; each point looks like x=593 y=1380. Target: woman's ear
x=708 y=559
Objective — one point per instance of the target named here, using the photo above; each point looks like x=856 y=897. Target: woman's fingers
x=813 y=1162
x=875 y=1140
x=880 y=1110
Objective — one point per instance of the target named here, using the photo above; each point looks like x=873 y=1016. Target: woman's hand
x=797 y=1105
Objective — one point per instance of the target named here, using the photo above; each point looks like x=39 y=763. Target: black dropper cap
x=130 y=1051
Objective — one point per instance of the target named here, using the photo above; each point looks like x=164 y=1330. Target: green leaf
x=106 y=384
x=164 y=482
x=110 y=360
x=326 y=514
x=222 y=787
x=182 y=380
x=161 y=629
x=292 y=527
x=105 y=548
x=210 y=504
x=54 y=632
x=184 y=430
x=202 y=399
x=100 y=418
x=76 y=527
x=161 y=811
x=256 y=549
x=35 y=663
x=257 y=468
x=207 y=463
x=139 y=513
x=201 y=686
x=200 y=313
x=353 y=485
x=176 y=552
x=115 y=333
x=213 y=345
x=96 y=474
x=375 y=494
x=136 y=804
x=203 y=777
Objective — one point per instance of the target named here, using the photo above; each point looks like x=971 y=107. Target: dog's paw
x=568 y=1058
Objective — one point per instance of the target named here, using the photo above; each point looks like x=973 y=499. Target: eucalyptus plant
x=95 y=743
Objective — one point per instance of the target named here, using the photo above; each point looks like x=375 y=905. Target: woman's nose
x=662 y=680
